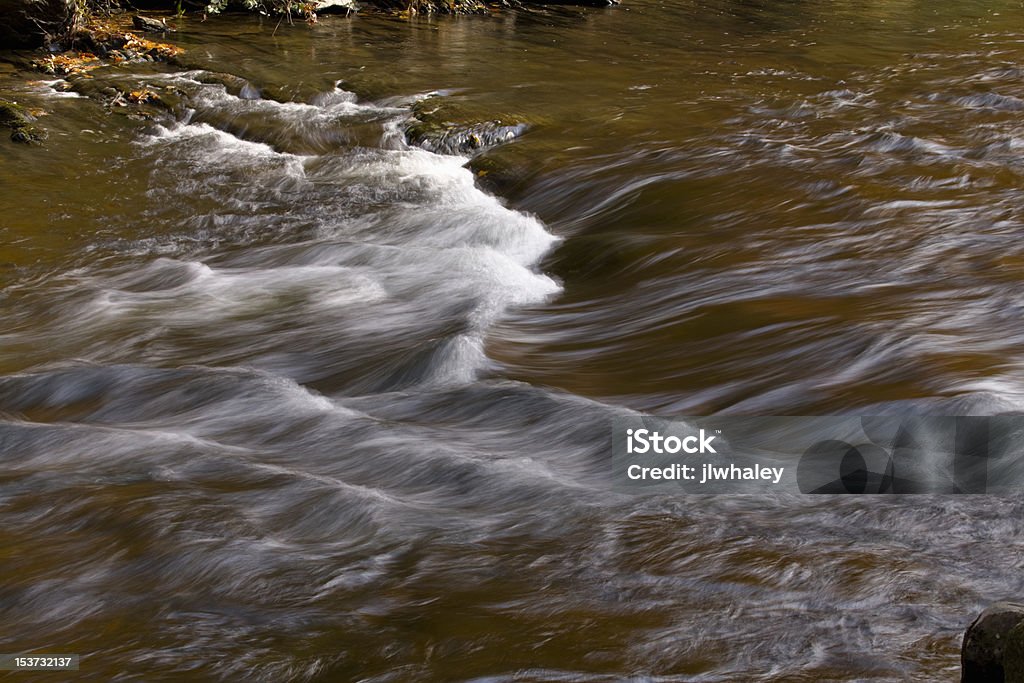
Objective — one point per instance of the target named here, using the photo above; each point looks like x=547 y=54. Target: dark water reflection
x=284 y=399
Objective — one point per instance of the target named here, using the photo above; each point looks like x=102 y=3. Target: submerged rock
x=235 y=85
x=993 y=647
x=502 y=172
x=133 y=97
x=20 y=122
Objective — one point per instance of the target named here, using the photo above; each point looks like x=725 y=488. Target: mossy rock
x=13 y=115
x=19 y=121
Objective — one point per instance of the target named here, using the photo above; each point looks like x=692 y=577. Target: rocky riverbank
x=64 y=24
x=92 y=43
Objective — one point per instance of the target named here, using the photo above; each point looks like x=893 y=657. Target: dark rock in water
x=20 y=122
x=455 y=139
x=993 y=648
x=27 y=136
x=11 y=115
x=441 y=126
x=151 y=25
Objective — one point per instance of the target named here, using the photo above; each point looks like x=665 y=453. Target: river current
x=284 y=397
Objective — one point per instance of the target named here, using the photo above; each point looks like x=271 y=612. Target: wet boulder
x=441 y=126
x=993 y=647
x=19 y=122
x=466 y=140
x=141 y=23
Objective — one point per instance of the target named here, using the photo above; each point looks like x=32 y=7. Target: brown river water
x=285 y=398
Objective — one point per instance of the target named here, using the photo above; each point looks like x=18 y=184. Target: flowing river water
x=283 y=397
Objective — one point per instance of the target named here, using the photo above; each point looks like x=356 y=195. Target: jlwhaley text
x=644 y=441
x=709 y=472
